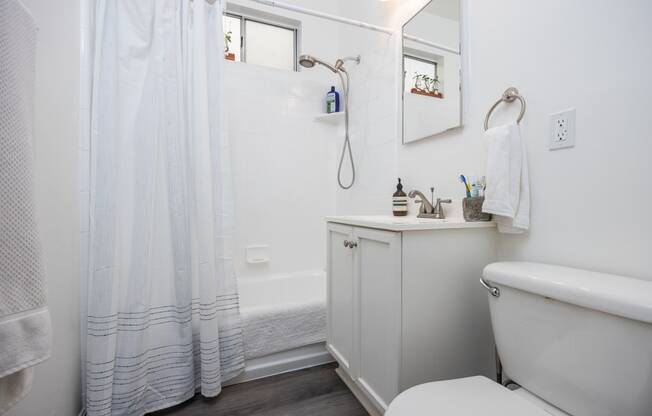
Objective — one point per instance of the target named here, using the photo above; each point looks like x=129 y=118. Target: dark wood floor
x=316 y=391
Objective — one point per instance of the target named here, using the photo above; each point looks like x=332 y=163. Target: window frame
x=269 y=20
x=424 y=60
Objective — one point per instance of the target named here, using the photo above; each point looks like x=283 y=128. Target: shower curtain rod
x=428 y=43
x=332 y=17
x=352 y=22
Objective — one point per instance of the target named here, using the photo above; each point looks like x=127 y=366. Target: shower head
x=309 y=61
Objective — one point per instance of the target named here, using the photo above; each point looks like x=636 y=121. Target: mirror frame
x=401 y=72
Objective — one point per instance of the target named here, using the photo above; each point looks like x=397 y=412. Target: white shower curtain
x=162 y=317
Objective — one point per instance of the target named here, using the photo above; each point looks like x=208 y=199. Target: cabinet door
x=377 y=261
x=340 y=341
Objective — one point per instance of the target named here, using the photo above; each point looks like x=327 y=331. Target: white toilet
x=577 y=342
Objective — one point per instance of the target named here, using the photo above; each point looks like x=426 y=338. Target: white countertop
x=409 y=223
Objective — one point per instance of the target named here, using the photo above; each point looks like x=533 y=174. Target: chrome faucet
x=427 y=210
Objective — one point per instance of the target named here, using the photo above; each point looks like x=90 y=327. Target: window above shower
x=261 y=38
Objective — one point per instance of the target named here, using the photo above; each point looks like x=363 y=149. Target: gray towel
x=24 y=318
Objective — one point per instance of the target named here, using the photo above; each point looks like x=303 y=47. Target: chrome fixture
x=495 y=292
x=339 y=64
x=350 y=244
x=426 y=207
x=509 y=96
x=427 y=210
x=309 y=61
x=439 y=209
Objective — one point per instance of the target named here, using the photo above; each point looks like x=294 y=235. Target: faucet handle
x=439 y=209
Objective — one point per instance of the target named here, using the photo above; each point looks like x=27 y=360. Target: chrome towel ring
x=509 y=96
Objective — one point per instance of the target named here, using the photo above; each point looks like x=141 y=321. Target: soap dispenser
x=399 y=201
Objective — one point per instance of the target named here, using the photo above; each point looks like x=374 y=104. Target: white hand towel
x=507 y=196
x=24 y=318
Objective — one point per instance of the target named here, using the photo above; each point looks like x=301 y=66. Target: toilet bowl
x=577 y=343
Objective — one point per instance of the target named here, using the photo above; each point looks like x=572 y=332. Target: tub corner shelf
x=332 y=118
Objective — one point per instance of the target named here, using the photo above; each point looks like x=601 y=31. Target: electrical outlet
x=562 y=129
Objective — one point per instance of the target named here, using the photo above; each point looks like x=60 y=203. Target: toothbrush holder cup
x=472 y=209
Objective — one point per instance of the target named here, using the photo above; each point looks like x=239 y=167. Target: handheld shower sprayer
x=309 y=61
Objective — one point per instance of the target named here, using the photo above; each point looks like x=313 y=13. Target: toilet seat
x=472 y=396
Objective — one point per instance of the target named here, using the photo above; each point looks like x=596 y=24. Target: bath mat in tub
x=272 y=329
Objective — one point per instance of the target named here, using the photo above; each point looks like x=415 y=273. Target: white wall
x=590 y=207
x=590 y=204
x=373 y=122
x=56 y=389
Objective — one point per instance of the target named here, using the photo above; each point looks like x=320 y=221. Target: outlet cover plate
x=562 y=129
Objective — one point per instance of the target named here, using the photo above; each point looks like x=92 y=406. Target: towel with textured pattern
x=24 y=318
x=272 y=329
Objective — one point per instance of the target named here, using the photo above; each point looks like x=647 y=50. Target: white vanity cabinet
x=405 y=305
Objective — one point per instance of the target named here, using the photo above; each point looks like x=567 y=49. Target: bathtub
x=284 y=322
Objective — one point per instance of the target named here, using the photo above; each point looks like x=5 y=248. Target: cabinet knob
x=352 y=244
x=346 y=243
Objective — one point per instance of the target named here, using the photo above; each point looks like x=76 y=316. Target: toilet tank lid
x=617 y=295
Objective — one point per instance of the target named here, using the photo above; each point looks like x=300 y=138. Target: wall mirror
x=431 y=93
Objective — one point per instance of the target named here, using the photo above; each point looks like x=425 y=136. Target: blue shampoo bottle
x=332 y=101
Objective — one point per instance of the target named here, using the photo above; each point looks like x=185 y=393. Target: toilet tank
x=579 y=340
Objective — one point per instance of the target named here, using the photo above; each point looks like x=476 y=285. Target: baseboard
x=284 y=362
x=357 y=392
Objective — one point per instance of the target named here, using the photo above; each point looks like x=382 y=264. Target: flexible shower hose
x=347 y=142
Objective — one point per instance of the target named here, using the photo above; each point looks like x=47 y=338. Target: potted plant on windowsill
x=228 y=55
x=426 y=85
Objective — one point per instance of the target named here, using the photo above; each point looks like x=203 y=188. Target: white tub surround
x=405 y=305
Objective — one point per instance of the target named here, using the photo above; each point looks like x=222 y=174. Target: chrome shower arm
x=355 y=59
x=339 y=64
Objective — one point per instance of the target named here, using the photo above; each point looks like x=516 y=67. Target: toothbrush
x=466 y=186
